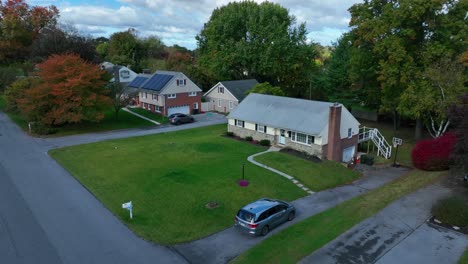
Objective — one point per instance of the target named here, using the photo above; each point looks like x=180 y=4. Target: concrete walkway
x=140 y=116
x=226 y=245
x=397 y=234
x=289 y=177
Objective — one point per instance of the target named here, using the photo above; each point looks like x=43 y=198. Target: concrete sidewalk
x=397 y=234
x=140 y=116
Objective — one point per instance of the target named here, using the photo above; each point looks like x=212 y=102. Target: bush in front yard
x=265 y=142
x=248 y=138
x=230 y=134
x=433 y=154
x=452 y=210
x=367 y=160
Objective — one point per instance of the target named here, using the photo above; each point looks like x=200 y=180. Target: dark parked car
x=259 y=217
x=179 y=118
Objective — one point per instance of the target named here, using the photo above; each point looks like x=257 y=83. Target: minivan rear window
x=246 y=216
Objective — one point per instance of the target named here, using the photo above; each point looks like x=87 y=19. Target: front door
x=282 y=138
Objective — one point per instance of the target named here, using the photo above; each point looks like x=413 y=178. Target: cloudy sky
x=178 y=21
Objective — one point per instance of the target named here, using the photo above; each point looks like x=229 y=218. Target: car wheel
x=191 y=120
x=265 y=230
x=291 y=216
x=177 y=123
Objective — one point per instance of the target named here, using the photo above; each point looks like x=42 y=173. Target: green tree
x=17 y=91
x=125 y=49
x=20 y=25
x=266 y=88
x=406 y=36
x=262 y=41
x=7 y=76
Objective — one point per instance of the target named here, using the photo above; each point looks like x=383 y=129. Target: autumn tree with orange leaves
x=70 y=90
x=20 y=25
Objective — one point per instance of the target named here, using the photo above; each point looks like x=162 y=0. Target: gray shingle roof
x=240 y=87
x=299 y=115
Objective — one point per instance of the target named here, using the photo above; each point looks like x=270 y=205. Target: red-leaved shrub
x=433 y=154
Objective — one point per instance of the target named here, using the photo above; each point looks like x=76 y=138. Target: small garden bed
x=301 y=155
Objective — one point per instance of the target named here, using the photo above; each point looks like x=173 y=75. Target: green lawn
x=404 y=151
x=125 y=120
x=464 y=258
x=315 y=176
x=170 y=178
x=305 y=237
x=148 y=114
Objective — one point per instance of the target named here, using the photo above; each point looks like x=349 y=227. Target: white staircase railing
x=374 y=135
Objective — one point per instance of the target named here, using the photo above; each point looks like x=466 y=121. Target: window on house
x=302 y=138
x=350 y=132
x=195 y=106
x=231 y=105
x=220 y=89
x=192 y=94
x=124 y=74
x=260 y=128
x=171 y=96
x=181 y=82
x=158 y=109
x=155 y=97
x=239 y=123
x=219 y=102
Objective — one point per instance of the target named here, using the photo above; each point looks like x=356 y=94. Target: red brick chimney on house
x=334 y=151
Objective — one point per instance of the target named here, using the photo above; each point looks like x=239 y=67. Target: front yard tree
x=249 y=40
x=118 y=94
x=70 y=90
x=20 y=25
x=407 y=36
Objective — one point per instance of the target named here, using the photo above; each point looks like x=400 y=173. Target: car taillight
x=253 y=225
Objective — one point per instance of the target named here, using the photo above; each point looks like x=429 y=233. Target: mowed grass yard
x=148 y=114
x=125 y=120
x=170 y=178
x=314 y=175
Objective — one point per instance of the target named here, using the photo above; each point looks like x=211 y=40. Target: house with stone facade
x=327 y=130
x=226 y=95
x=167 y=92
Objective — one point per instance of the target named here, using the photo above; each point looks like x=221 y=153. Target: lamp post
x=243 y=170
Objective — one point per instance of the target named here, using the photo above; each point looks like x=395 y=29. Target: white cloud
x=178 y=21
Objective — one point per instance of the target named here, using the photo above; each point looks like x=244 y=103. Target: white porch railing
x=374 y=135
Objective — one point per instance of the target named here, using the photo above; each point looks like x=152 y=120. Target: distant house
x=167 y=92
x=124 y=76
x=327 y=130
x=226 y=95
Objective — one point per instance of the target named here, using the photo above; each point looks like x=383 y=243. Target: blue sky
x=178 y=21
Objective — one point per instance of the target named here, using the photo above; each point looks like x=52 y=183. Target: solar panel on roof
x=139 y=80
x=157 y=82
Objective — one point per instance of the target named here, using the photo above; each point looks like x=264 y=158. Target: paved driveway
x=397 y=234
x=226 y=245
x=46 y=216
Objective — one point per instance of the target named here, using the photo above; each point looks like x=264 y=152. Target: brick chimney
x=334 y=151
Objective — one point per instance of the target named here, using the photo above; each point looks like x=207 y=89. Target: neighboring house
x=124 y=76
x=327 y=130
x=226 y=95
x=167 y=92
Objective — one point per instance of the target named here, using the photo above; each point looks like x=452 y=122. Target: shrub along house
x=167 y=92
x=327 y=130
x=226 y=95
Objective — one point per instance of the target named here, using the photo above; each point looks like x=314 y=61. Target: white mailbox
x=129 y=207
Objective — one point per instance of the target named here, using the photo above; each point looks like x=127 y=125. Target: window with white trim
x=143 y=95
x=219 y=102
x=158 y=109
x=220 y=89
x=239 y=123
x=261 y=128
x=124 y=74
x=350 y=132
x=171 y=96
x=231 y=105
x=181 y=82
x=195 y=106
x=302 y=138
x=192 y=94
x=155 y=97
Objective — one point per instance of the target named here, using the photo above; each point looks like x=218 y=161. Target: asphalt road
x=46 y=216
x=397 y=234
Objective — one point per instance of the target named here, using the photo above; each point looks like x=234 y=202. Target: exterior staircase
x=374 y=135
